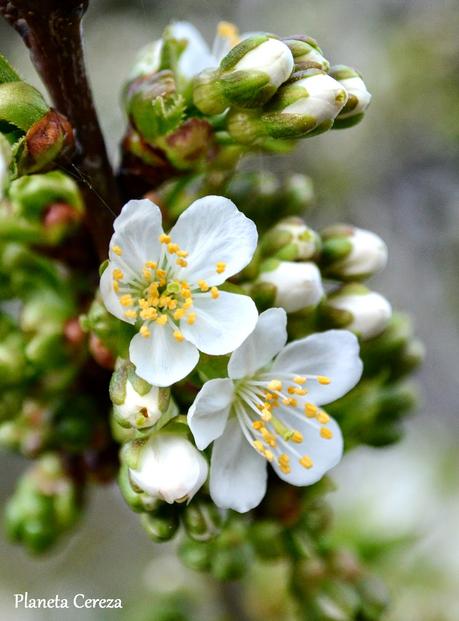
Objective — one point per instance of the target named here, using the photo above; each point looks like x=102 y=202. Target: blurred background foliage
x=396 y=174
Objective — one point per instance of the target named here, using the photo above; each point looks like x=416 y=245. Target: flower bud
x=291 y=240
x=161 y=524
x=298 y=285
x=136 y=403
x=202 y=520
x=306 y=105
x=358 y=309
x=5 y=159
x=147 y=60
x=167 y=466
x=248 y=76
x=306 y=53
x=358 y=96
x=351 y=253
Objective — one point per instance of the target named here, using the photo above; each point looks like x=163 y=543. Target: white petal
x=213 y=230
x=221 y=324
x=137 y=231
x=109 y=297
x=237 y=472
x=260 y=347
x=298 y=285
x=334 y=354
x=325 y=453
x=160 y=359
x=209 y=412
x=197 y=55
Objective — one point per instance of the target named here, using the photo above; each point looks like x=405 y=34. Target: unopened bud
x=291 y=240
x=202 y=520
x=162 y=524
x=306 y=52
x=351 y=253
x=298 y=285
x=5 y=159
x=306 y=105
x=358 y=96
x=168 y=467
x=247 y=77
x=358 y=309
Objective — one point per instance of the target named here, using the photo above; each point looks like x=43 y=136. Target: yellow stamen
x=220 y=267
x=147 y=273
x=323 y=418
x=164 y=239
x=188 y=303
x=161 y=320
x=191 y=319
x=116 y=286
x=275 y=385
x=126 y=300
x=269 y=455
x=257 y=425
x=310 y=410
x=178 y=336
x=181 y=262
x=306 y=462
x=228 y=31
x=299 y=379
x=117 y=250
x=179 y=313
x=182 y=253
x=203 y=285
x=145 y=332
x=297 y=437
x=323 y=379
x=151 y=264
x=172 y=248
x=266 y=414
x=290 y=402
x=130 y=314
x=161 y=274
x=215 y=293
x=258 y=445
x=117 y=274
x=326 y=433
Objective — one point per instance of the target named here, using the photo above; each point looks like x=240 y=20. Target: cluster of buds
x=36 y=134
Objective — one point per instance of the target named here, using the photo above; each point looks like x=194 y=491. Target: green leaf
x=7 y=73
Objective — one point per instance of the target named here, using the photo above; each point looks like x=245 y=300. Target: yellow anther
x=164 y=239
x=117 y=274
x=299 y=379
x=266 y=414
x=297 y=437
x=323 y=379
x=291 y=390
x=191 y=319
x=117 y=250
x=269 y=455
x=220 y=267
x=258 y=445
x=181 y=262
x=188 y=303
x=161 y=320
x=179 y=313
x=228 y=31
x=161 y=274
x=301 y=392
x=285 y=468
x=275 y=385
x=130 y=314
x=178 y=336
x=257 y=425
x=290 y=402
x=145 y=332
x=310 y=410
x=306 y=462
x=172 y=248
x=269 y=396
x=203 y=285
x=283 y=459
x=116 y=286
x=143 y=303
x=326 y=433
x=268 y=437
x=186 y=293
x=172 y=304
x=148 y=314
x=147 y=273
x=182 y=253
x=151 y=264
x=323 y=418
x=215 y=293
x=126 y=300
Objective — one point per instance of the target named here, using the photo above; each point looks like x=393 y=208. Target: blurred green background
x=396 y=174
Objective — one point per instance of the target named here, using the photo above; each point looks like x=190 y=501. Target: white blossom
x=298 y=285
x=268 y=410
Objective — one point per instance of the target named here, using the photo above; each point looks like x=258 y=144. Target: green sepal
x=212 y=367
x=162 y=524
x=238 y=52
x=247 y=89
x=7 y=73
x=21 y=105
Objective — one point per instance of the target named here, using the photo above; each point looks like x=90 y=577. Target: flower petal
x=324 y=453
x=160 y=359
x=260 y=347
x=237 y=472
x=209 y=412
x=221 y=324
x=109 y=297
x=212 y=230
x=334 y=354
x=137 y=231
x=196 y=55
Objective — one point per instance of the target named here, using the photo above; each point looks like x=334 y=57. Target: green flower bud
x=358 y=309
x=266 y=537
x=162 y=524
x=291 y=240
x=306 y=105
x=12 y=359
x=202 y=520
x=358 y=96
x=196 y=555
x=138 y=501
x=297 y=194
x=306 y=53
x=351 y=253
x=248 y=76
x=298 y=285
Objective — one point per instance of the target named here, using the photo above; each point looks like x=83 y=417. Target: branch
x=51 y=29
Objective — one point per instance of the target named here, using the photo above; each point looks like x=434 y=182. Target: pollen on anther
x=182 y=253
x=191 y=319
x=215 y=293
x=178 y=336
x=275 y=385
x=220 y=267
x=297 y=437
x=130 y=314
x=117 y=274
x=257 y=425
x=203 y=285
x=326 y=433
x=299 y=379
x=323 y=379
x=323 y=417
x=126 y=300
x=117 y=250
x=310 y=410
x=164 y=239
x=172 y=248
x=306 y=462
x=161 y=320
x=181 y=262
x=144 y=331
x=179 y=313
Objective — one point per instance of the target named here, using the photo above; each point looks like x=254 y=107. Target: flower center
x=159 y=295
x=264 y=424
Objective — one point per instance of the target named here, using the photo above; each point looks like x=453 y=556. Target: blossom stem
x=52 y=32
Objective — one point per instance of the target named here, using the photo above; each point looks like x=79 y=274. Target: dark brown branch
x=51 y=29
